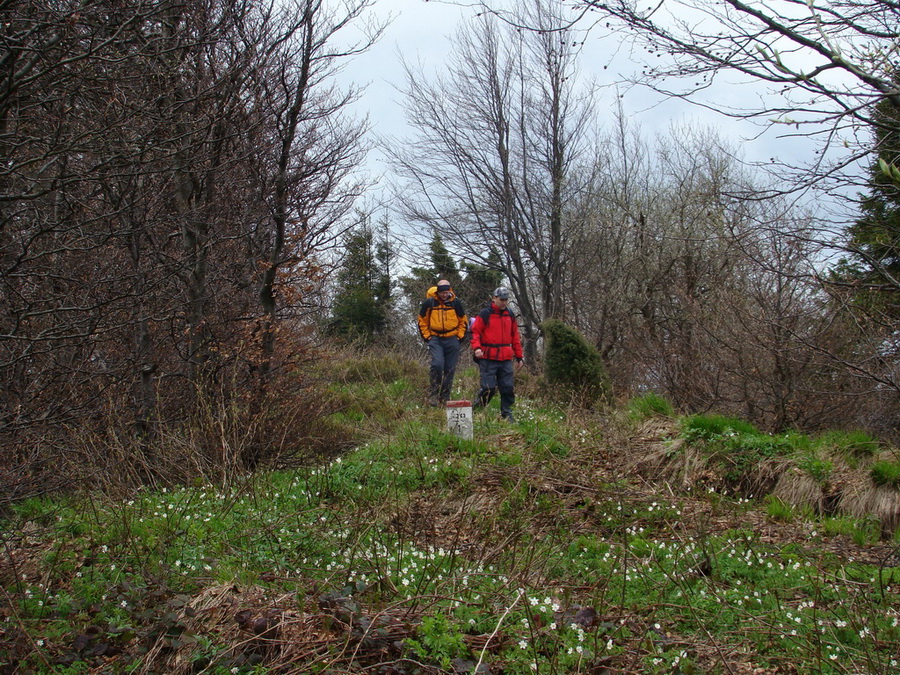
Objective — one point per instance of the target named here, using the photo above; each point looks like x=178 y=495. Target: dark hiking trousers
x=496 y=375
x=444 y=357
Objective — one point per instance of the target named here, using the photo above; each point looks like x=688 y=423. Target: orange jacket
x=442 y=319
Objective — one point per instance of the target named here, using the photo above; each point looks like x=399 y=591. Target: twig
x=496 y=629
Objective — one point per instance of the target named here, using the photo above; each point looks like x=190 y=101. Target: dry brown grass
x=861 y=498
x=800 y=490
x=656 y=453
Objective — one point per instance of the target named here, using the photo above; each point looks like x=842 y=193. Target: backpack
x=485 y=314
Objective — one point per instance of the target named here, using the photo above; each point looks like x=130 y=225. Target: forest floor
x=569 y=542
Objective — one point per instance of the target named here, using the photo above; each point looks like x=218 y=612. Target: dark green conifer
x=874 y=240
x=573 y=366
x=363 y=297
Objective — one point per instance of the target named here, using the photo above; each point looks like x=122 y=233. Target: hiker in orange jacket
x=442 y=324
x=495 y=343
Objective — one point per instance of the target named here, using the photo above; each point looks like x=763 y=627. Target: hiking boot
x=509 y=418
x=433 y=402
x=482 y=399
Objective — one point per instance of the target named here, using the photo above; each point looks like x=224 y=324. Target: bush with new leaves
x=573 y=367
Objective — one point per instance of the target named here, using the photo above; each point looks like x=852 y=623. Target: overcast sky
x=421 y=32
x=418 y=30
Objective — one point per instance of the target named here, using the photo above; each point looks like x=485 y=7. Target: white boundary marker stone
x=459 y=419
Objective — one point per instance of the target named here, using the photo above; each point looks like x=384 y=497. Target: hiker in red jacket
x=495 y=343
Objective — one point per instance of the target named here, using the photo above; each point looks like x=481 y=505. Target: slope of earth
x=571 y=542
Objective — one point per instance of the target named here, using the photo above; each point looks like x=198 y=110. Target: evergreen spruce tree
x=363 y=296
x=385 y=254
x=472 y=283
x=441 y=265
x=875 y=237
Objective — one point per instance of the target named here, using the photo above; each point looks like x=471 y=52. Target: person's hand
x=478 y=353
x=520 y=363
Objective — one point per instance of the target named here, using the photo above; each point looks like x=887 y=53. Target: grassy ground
x=626 y=541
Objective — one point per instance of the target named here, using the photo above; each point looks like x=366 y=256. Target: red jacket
x=496 y=333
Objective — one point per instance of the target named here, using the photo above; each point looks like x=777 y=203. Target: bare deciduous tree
x=824 y=72
x=306 y=179
x=499 y=137
x=690 y=292
x=818 y=68
x=169 y=173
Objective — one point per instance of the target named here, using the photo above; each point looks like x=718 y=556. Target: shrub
x=573 y=364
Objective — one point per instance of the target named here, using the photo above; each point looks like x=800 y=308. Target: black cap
x=501 y=292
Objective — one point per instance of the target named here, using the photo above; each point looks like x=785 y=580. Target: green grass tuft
x=886 y=473
x=711 y=426
x=850 y=444
x=779 y=510
x=819 y=469
x=649 y=405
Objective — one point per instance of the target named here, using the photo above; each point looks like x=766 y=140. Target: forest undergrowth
x=628 y=539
